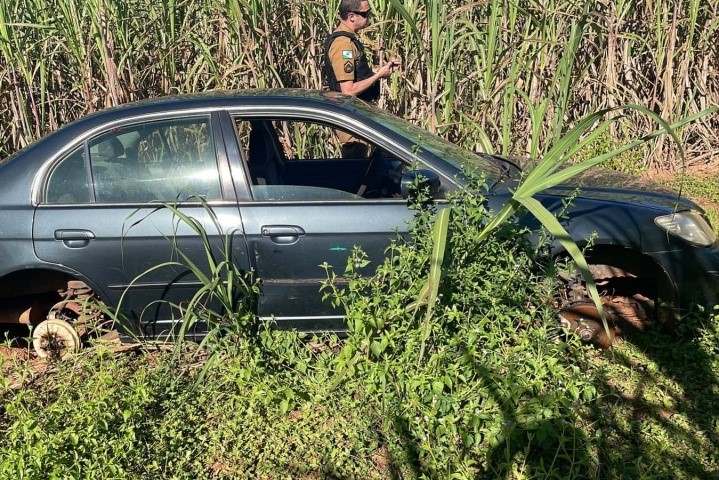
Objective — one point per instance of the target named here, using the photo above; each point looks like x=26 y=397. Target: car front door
x=113 y=209
x=296 y=218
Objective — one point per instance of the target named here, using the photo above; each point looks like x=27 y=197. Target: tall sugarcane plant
x=481 y=73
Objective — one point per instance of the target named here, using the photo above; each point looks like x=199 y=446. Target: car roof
x=211 y=100
x=16 y=178
x=229 y=98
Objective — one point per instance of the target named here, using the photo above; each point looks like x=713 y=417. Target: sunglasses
x=365 y=14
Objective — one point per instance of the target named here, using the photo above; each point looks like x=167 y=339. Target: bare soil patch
x=16 y=343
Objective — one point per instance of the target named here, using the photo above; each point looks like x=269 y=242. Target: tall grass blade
x=429 y=293
x=550 y=222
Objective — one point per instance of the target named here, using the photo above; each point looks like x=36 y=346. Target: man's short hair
x=349 y=6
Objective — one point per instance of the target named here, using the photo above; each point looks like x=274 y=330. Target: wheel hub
x=67 y=322
x=55 y=338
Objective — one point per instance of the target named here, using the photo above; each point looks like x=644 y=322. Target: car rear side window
x=68 y=182
x=166 y=161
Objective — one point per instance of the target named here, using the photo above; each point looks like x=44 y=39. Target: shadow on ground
x=658 y=414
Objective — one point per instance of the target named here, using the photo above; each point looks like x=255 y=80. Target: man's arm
x=351 y=87
x=342 y=55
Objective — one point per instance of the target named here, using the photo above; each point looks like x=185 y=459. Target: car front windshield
x=451 y=153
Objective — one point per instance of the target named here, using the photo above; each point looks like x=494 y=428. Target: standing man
x=346 y=68
x=345 y=62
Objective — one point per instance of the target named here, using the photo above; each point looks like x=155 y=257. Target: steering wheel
x=372 y=178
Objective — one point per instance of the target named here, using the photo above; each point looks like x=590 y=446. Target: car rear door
x=112 y=211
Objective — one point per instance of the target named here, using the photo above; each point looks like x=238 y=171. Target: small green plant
x=487 y=378
x=224 y=304
x=498 y=392
x=549 y=172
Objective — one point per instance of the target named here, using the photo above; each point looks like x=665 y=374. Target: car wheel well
x=28 y=295
x=33 y=281
x=634 y=291
x=611 y=261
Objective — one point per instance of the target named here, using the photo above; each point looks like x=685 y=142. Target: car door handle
x=74 y=238
x=282 y=234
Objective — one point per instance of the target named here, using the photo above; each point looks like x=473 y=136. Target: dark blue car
x=299 y=177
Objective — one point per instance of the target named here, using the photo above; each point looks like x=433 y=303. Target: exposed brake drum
x=67 y=322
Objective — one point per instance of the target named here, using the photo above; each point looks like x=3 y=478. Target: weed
x=495 y=384
x=498 y=392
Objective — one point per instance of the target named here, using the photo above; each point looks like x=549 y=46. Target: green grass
x=140 y=415
x=658 y=403
x=703 y=189
x=487 y=386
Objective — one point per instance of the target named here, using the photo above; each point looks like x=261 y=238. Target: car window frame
x=344 y=120
x=215 y=125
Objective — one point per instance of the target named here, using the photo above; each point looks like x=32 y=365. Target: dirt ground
x=15 y=349
x=14 y=342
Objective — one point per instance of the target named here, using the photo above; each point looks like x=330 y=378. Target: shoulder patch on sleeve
x=349 y=67
x=347 y=54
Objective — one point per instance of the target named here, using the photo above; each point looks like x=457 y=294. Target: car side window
x=310 y=141
x=295 y=160
x=166 y=161
x=68 y=182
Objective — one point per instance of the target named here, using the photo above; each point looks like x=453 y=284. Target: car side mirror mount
x=419 y=179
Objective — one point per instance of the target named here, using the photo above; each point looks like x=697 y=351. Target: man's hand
x=349 y=87
x=388 y=68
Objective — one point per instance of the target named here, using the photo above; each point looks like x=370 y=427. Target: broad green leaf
x=439 y=245
x=551 y=223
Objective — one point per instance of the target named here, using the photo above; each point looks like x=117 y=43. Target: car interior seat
x=110 y=174
x=110 y=149
x=265 y=162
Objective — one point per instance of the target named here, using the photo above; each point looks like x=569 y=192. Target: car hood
x=610 y=186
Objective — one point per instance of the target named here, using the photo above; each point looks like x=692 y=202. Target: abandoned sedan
x=270 y=165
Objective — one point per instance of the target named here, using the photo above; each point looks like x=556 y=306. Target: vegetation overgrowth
x=484 y=387
x=498 y=391
x=495 y=76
